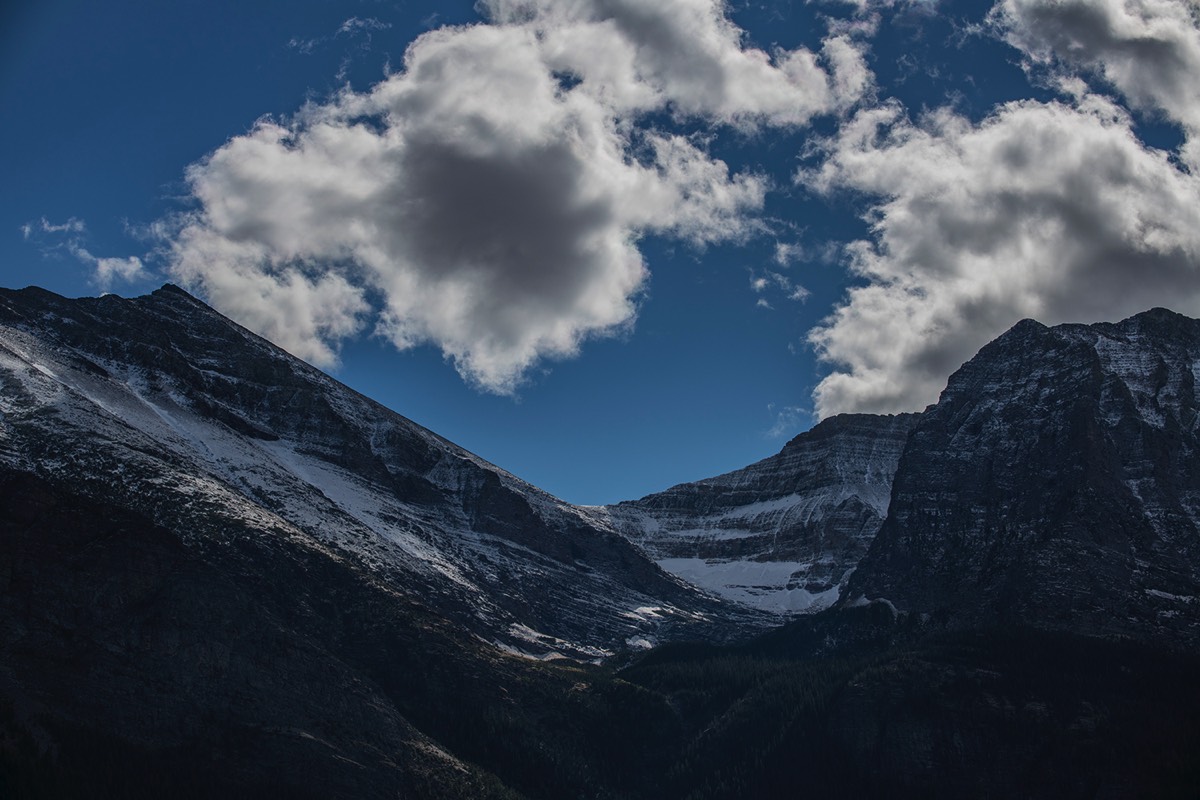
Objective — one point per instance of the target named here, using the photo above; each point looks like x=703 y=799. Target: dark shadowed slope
x=1056 y=483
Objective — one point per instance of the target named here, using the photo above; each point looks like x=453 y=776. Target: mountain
x=223 y=574
x=1056 y=483
x=784 y=534
x=162 y=407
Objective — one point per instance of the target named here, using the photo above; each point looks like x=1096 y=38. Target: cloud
x=109 y=270
x=1048 y=210
x=305 y=46
x=69 y=236
x=868 y=9
x=352 y=28
x=789 y=420
x=72 y=226
x=357 y=25
x=787 y=253
x=776 y=280
x=300 y=312
x=687 y=55
x=489 y=198
x=1149 y=50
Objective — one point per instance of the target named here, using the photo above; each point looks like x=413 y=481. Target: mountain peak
x=1055 y=484
x=1027 y=325
x=172 y=290
x=784 y=533
x=1162 y=322
x=172 y=295
x=1159 y=313
x=162 y=405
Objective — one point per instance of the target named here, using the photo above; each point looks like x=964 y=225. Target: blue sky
x=611 y=248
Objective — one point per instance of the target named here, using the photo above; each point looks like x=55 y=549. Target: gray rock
x=1055 y=483
x=785 y=533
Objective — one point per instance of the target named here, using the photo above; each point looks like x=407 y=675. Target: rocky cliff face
x=164 y=408
x=1055 y=483
x=784 y=534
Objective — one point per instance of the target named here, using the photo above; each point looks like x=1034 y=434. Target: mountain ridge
x=167 y=384
x=224 y=574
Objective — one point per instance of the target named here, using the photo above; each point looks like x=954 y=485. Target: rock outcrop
x=782 y=535
x=1055 y=483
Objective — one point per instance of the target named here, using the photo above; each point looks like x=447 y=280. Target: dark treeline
x=1002 y=714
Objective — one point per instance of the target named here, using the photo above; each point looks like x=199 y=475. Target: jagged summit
x=171 y=288
x=1056 y=483
x=1158 y=314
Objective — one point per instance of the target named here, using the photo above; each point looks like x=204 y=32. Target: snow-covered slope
x=160 y=405
x=784 y=534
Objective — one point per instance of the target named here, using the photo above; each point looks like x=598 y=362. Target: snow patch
x=1178 y=598
x=765 y=585
x=528 y=634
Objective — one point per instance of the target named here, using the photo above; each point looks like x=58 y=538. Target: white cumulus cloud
x=109 y=270
x=1149 y=50
x=1048 y=210
x=687 y=55
x=489 y=197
